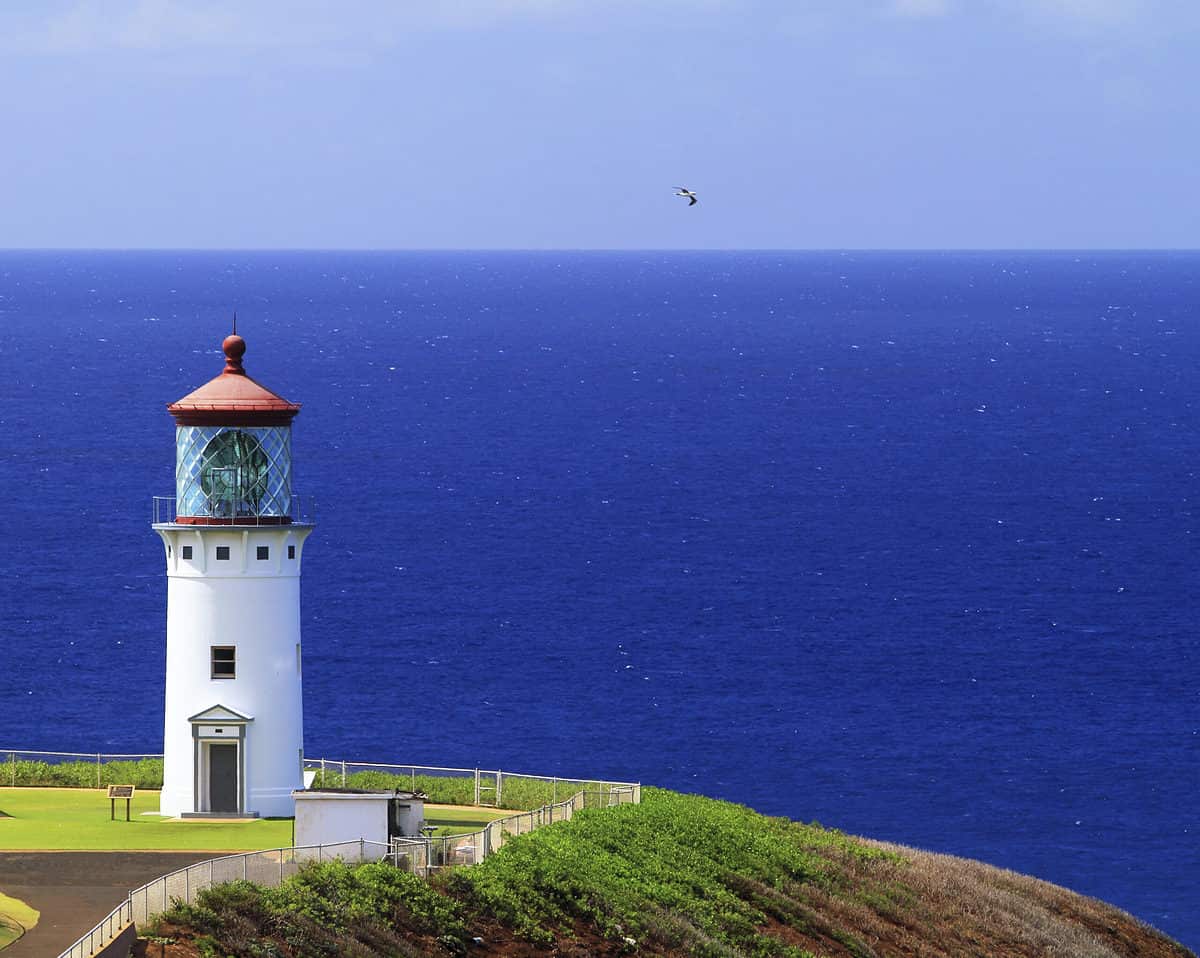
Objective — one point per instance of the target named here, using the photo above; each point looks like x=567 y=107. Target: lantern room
x=233 y=449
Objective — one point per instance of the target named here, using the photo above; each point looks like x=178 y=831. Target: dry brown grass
x=961 y=907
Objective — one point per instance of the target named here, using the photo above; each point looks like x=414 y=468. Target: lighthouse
x=233 y=541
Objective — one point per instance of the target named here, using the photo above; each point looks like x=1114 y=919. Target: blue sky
x=567 y=124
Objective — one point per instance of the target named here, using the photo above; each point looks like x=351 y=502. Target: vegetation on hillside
x=676 y=875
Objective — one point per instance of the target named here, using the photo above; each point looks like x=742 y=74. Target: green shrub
x=318 y=909
x=144 y=773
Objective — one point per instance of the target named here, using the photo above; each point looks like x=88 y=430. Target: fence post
x=362 y=851
x=476 y=786
x=97 y=769
x=187 y=885
x=12 y=756
x=554 y=793
x=343 y=774
x=244 y=862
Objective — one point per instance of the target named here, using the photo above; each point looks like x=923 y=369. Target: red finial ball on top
x=234 y=348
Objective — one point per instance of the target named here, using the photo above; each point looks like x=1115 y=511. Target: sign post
x=115 y=792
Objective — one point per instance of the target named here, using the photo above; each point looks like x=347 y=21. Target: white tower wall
x=253 y=605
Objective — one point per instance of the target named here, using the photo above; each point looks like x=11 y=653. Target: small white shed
x=326 y=817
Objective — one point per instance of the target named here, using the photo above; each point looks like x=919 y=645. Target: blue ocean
x=903 y=543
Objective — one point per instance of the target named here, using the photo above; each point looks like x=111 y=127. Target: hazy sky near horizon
x=568 y=123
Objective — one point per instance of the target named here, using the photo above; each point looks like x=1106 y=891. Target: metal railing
x=271 y=867
x=21 y=765
x=461 y=786
x=301 y=510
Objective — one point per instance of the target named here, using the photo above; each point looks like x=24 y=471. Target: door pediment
x=220 y=715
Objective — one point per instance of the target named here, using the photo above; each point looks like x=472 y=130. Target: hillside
x=676 y=875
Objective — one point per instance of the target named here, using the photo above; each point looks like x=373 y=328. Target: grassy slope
x=677 y=875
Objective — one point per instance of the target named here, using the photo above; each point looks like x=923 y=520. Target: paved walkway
x=74 y=890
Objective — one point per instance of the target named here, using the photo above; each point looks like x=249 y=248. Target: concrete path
x=74 y=890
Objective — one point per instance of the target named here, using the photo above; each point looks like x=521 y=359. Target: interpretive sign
x=115 y=792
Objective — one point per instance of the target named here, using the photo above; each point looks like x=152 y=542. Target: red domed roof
x=233 y=398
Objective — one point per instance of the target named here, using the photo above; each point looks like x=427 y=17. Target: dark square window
x=168 y=552
x=291 y=552
x=264 y=552
x=224 y=662
x=222 y=552
x=187 y=552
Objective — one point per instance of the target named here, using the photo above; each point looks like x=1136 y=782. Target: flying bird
x=684 y=191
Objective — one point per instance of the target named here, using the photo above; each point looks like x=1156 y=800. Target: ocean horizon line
x=1031 y=250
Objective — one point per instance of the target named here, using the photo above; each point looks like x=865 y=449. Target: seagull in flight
x=684 y=191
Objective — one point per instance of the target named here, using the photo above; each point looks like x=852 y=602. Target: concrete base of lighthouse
x=233 y=735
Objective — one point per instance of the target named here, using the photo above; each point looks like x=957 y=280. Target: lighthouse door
x=223 y=778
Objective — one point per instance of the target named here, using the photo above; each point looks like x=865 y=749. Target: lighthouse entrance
x=223 y=778
x=219 y=762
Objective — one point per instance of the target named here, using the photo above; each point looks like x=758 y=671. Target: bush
x=318 y=910
x=144 y=773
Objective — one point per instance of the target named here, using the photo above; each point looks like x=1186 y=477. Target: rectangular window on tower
x=264 y=552
x=222 y=552
x=186 y=551
x=224 y=662
x=291 y=552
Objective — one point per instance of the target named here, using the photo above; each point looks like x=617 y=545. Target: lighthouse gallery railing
x=303 y=510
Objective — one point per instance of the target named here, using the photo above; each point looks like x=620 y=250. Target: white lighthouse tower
x=233 y=741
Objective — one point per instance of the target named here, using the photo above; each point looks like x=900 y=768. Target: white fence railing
x=269 y=867
x=17 y=765
x=475 y=786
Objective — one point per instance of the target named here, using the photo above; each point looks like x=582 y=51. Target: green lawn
x=78 y=818
x=457 y=820
x=15 y=918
